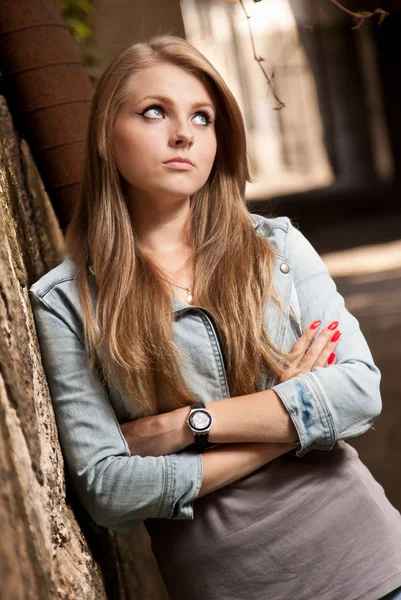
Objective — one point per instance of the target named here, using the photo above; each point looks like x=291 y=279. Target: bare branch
x=259 y=60
x=362 y=15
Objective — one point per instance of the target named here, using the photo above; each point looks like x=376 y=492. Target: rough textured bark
x=49 y=549
x=43 y=553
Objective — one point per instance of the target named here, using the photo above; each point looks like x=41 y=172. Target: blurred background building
x=286 y=149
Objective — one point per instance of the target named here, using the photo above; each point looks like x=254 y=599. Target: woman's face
x=167 y=113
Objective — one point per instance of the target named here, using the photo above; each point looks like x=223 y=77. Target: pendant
x=189 y=296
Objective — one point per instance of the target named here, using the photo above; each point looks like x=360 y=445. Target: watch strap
x=198 y=404
x=201 y=440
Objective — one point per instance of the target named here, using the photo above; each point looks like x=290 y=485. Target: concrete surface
x=369 y=278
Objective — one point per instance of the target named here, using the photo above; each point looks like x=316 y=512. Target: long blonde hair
x=233 y=265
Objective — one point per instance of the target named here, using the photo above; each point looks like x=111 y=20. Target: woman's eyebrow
x=168 y=100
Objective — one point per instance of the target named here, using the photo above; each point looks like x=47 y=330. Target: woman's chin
x=176 y=194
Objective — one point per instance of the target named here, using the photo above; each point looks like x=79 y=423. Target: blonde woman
x=203 y=368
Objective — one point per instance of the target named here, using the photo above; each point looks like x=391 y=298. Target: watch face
x=200 y=420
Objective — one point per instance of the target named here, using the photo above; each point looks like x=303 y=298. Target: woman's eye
x=205 y=118
x=156 y=110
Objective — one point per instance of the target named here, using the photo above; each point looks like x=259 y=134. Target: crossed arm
x=316 y=405
x=254 y=429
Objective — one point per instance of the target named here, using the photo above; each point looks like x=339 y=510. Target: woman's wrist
x=176 y=422
x=256 y=418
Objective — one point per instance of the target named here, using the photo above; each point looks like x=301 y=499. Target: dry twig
x=259 y=60
x=362 y=15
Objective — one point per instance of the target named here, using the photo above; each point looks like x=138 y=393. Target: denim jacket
x=118 y=490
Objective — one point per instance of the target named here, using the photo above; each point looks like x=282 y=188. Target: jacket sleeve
x=117 y=489
x=341 y=401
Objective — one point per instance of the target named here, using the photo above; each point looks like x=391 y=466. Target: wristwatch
x=200 y=422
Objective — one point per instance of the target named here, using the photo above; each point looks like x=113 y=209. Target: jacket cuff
x=183 y=482
x=308 y=409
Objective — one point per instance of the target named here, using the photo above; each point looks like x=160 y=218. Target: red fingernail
x=331 y=358
x=314 y=325
x=336 y=336
x=333 y=325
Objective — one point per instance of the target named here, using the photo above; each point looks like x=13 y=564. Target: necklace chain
x=187 y=289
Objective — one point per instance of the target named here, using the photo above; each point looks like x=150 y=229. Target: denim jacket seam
x=257 y=220
x=197 y=487
x=286 y=301
x=55 y=313
x=281 y=254
x=287 y=233
x=216 y=354
x=165 y=510
x=124 y=441
x=53 y=284
x=302 y=438
x=272 y=227
x=316 y=392
x=307 y=442
x=295 y=310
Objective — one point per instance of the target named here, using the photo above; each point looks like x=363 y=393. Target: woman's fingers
x=326 y=359
x=302 y=344
x=309 y=353
x=298 y=351
x=319 y=352
x=331 y=360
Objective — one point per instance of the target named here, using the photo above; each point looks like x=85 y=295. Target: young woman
x=194 y=357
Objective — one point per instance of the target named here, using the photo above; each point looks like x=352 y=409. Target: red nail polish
x=336 y=336
x=314 y=325
x=333 y=325
x=331 y=358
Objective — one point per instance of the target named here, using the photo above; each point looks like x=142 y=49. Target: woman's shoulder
x=63 y=273
x=57 y=291
x=269 y=224
x=288 y=240
x=275 y=229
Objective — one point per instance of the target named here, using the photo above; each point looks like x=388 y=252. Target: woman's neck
x=161 y=228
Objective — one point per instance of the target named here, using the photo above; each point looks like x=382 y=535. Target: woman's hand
x=310 y=353
x=158 y=435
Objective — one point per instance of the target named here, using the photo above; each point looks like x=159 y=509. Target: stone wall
x=49 y=549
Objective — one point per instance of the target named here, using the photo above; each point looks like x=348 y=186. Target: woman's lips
x=179 y=165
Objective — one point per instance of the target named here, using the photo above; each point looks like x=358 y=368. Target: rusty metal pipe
x=49 y=93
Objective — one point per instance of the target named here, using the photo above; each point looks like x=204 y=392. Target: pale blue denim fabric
x=118 y=490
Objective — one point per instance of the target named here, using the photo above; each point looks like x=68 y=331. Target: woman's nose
x=182 y=134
